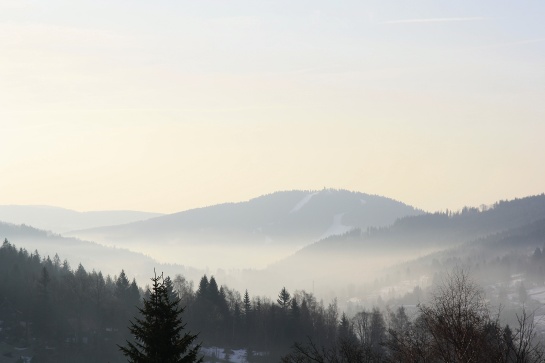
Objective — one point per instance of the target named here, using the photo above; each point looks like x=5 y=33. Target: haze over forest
x=273 y=158
x=337 y=250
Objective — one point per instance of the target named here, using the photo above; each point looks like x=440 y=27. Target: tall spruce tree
x=284 y=299
x=158 y=333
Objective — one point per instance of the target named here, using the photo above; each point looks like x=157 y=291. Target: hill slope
x=60 y=220
x=92 y=255
x=269 y=226
x=363 y=252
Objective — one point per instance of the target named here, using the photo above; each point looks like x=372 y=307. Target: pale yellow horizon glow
x=163 y=111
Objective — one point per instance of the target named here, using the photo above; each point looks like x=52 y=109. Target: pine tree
x=284 y=299
x=247 y=304
x=213 y=291
x=203 y=287
x=345 y=332
x=158 y=332
x=122 y=285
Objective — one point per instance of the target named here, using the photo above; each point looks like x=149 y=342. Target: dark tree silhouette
x=284 y=299
x=158 y=334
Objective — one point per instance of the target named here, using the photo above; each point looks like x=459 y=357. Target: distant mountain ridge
x=348 y=247
x=59 y=220
x=299 y=214
x=517 y=224
x=442 y=229
x=287 y=219
x=91 y=255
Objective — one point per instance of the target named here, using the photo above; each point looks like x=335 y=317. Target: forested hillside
x=90 y=254
x=54 y=313
x=282 y=217
x=263 y=229
x=443 y=229
x=364 y=252
x=58 y=313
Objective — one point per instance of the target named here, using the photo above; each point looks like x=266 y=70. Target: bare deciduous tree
x=457 y=326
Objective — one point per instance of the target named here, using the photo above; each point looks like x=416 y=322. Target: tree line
x=69 y=315
x=73 y=315
x=63 y=314
x=456 y=326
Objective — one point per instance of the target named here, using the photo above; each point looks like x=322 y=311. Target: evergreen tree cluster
x=225 y=318
x=65 y=315
x=68 y=315
x=71 y=315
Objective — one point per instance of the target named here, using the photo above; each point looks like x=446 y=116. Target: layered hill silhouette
x=308 y=215
x=517 y=224
x=308 y=238
x=264 y=228
x=91 y=255
x=59 y=220
x=443 y=229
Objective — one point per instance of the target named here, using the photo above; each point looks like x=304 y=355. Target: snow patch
x=337 y=227
x=235 y=356
x=354 y=300
x=302 y=202
x=537 y=294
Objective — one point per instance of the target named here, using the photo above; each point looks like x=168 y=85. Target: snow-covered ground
x=337 y=227
x=212 y=354
x=538 y=294
x=404 y=287
x=302 y=202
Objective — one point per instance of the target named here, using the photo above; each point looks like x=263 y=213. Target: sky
x=169 y=105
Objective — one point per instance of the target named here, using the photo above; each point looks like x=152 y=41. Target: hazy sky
x=168 y=105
